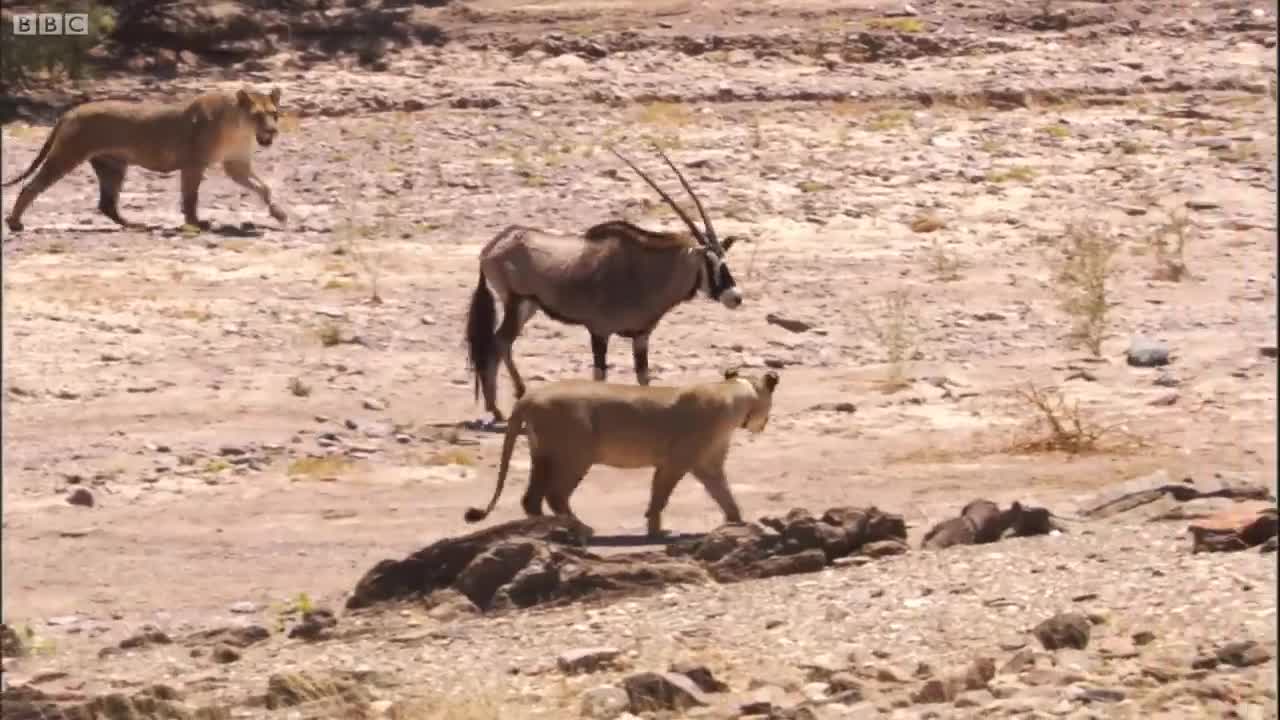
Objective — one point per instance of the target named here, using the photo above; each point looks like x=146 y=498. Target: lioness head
x=263 y=112
x=758 y=416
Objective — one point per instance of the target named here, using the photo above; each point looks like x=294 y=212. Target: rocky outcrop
x=982 y=521
x=542 y=561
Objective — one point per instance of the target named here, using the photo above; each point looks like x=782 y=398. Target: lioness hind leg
x=241 y=171
x=55 y=168
x=717 y=486
x=664 y=483
x=110 y=172
x=539 y=478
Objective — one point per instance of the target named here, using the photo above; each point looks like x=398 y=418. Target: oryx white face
x=717 y=281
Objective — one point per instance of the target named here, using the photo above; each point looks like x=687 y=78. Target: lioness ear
x=275 y=95
x=771 y=380
x=730 y=373
x=242 y=97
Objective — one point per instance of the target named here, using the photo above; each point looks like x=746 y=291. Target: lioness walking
x=185 y=136
x=575 y=424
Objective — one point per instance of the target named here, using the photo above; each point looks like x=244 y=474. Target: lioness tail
x=40 y=156
x=515 y=423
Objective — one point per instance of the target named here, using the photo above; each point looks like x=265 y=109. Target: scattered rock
x=11 y=645
x=1145 y=352
x=982 y=521
x=1247 y=526
x=795 y=326
x=604 y=703
x=81 y=497
x=1245 y=653
x=148 y=636
x=224 y=654
x=662 y=691
x=315 y=625
x=701 y=676
x=1065 y=630
x=586 y=660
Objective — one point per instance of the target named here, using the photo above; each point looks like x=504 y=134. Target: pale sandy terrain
x=156 y=369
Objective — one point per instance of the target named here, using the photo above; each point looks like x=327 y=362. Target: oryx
x=613 y=279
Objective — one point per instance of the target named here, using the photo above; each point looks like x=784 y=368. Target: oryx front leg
x=599 y=356
x=640 y=357
x=241 y=171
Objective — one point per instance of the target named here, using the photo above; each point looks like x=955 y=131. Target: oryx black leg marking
x=599 y=353
x=640 y=357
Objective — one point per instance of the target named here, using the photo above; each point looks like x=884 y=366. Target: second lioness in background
x=575 y=424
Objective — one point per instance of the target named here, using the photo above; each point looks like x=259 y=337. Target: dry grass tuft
x=452 y=456
x=1059 y=426
x=1081 y=274
x=889 y=119
x=298 y=388
x=328 y=467
x=899 y=24
x=1057 y=130
x=1020 y=173
x=664 y=114
x=943 y=264
x=330 y=334
x=927 y=223
x=895 y=330
x=1167 y=244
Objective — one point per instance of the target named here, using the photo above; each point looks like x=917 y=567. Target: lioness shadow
x=641 y=540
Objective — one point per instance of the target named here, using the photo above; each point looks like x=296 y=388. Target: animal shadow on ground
x=642 y=539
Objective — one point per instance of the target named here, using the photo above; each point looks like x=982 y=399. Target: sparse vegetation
x=452 y=456
x=327 y=467
x=895 y=330
x=927 y=222
x=1061 y=426
x=813 y=186
x=330 y=334
x=943 y=264
x=1057 y=130
x=897 y=24
x=1081 y=273
x=888 y=120
x=298 y=388
x=25 y=57
x=1168 y=242
x=1021 y=173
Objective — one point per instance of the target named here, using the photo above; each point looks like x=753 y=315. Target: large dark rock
x=982 y=521
x=541 y=561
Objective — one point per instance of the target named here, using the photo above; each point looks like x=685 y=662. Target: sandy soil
x=233 y=456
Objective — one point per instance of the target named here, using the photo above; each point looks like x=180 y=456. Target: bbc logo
x=51 y=24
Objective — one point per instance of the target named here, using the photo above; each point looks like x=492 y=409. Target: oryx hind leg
x=640 y=357
x=515 y=313
x=599 y=356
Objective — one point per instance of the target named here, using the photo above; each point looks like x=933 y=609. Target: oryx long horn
x=697 y=234
x=706 y=221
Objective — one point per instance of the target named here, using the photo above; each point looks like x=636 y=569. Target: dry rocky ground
x=204 y=435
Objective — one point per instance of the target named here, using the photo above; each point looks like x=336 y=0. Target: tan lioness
x=185 y=136
x=575 y=424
